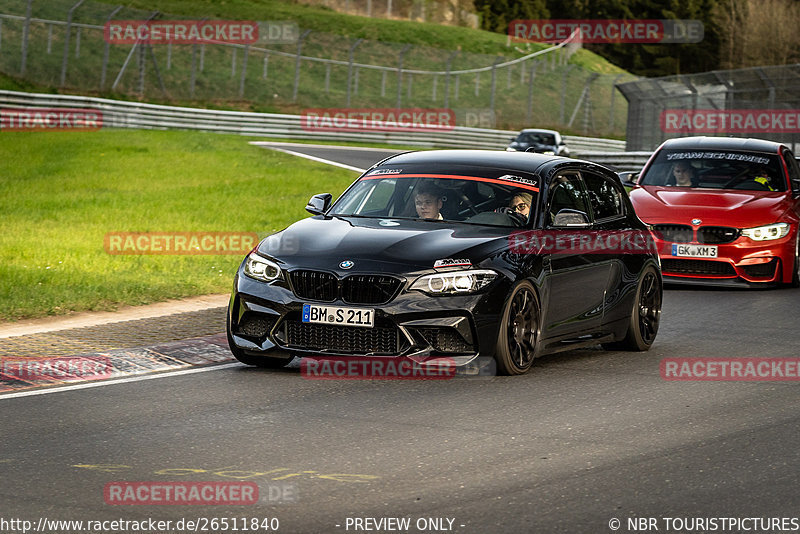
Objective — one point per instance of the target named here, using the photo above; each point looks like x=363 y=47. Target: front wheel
x=645 y=315
x=519 y=331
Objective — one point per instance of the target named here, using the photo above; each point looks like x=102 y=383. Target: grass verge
x=62 y=192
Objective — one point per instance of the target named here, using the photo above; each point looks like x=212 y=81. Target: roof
x=722 y=143
x=524 y=161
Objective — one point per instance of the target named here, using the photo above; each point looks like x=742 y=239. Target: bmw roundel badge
x=696 y=221
x=346 y=264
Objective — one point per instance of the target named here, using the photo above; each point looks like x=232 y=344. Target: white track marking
x=115 y=381
x=315 y=158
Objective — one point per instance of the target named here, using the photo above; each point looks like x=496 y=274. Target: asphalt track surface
x=587 y=437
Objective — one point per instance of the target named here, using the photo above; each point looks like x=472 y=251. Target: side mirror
x=571 y=218
x=319 y=204
x=628 y=178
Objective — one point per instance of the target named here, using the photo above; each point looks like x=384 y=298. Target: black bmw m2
x=456 y=255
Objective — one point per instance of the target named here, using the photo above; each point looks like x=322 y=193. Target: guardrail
x=137 y=115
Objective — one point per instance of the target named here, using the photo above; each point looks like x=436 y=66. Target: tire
x=517 y=339
x=266 y=362
x=645 y=315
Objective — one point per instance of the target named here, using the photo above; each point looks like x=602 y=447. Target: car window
x=490 y=197
x=794 y=170
x=604 y=197
x=566 y=192
x=716 y=169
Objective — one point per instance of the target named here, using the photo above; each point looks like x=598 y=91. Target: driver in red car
x=684 y=175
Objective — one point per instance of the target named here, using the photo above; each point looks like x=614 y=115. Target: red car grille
x=674 y=233
x=699 y=267
x=717 y=235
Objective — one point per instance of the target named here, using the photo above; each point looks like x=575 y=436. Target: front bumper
x=743 y=262
x=266 y=319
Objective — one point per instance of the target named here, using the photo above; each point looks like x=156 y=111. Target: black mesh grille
x=342 y=339
x=717 y=268
x=354 y=289
x=761 y=270
x=369 y=289
x=717 y=235
x=445 y=339
x=315 y=285
x=255 y=325
x=675 y=233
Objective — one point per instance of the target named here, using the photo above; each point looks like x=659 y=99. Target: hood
x=380 y=245
x=656 y=204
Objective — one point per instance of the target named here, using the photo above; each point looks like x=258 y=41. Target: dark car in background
x=451 y=254
x=723 y=210
x=539 y=141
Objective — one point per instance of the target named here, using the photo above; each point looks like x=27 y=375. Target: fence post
x=532 y=78
x=494 y=81
x=447 y=78
x=233 y=62
x=169 y=56
x=611 y=106
x=297 y=63
x=244 y=70
x=350 y=68
x=327 y=78
x=389 y=9
x=400 y=74
x=65 y=57
x=25 y=30
x=265 y=69
x=78 y=42
x=134 y=48
x=562 y=114
x=106 y=50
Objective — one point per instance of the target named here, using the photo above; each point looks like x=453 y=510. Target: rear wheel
x=645 y=315
x=519 y=331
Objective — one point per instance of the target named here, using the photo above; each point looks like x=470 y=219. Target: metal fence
x=123 y=114
x=775 y=88
x=60 y=43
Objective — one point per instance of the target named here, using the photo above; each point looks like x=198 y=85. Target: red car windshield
x=716 y=169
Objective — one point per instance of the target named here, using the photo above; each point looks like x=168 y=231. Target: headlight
x=454 y=283
x=766 y=233
x=261 y=268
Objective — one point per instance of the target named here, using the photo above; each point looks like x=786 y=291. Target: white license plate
x=313 y=313
x=694 y=251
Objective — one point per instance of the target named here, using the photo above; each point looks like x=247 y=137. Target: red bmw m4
x=723 y=211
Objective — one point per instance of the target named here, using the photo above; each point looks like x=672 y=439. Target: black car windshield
x=487 y=197
x=716 y=169
x=539 y=138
